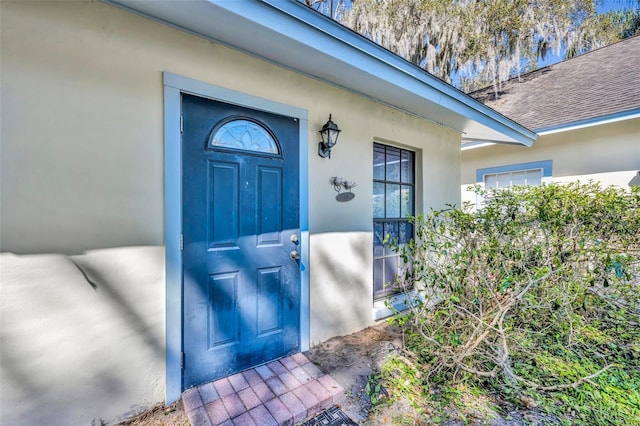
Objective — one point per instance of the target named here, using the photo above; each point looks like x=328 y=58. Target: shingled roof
x=597 y=84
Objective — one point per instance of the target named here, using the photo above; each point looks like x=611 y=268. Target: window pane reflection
x=393 y=201
x=406 y=168
x=393 y=164
x=378 y=200
x=378 y=162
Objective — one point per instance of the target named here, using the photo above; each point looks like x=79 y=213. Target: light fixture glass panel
x=333 y=137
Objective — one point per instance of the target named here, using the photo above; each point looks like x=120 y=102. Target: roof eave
x=298 y=38
x=590 y=122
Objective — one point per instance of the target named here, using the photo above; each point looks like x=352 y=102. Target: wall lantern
x=329 y=134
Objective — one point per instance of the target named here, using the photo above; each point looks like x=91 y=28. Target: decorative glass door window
x=393 y=203
x=243 y=134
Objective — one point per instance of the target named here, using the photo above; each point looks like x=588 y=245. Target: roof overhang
x=595 y=121
x=294 y=36
x=468 y=144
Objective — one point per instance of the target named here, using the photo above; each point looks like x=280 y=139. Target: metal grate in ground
x=334 y=416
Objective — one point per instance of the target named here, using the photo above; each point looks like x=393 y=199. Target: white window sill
x=400 y=302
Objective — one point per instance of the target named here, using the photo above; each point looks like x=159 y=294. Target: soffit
x=292 y=35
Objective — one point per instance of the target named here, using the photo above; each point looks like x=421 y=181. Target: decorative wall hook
x=339 y=184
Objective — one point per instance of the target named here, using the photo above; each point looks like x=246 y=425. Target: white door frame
x=174 y=86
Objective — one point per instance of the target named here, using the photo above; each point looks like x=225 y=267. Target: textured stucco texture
x=82 y=171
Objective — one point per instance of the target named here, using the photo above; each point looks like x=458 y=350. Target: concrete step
x=282 y=392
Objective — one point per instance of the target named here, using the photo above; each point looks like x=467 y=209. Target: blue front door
x=240 y=219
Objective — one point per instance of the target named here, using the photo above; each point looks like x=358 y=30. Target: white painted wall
x=609 y=154
x=81 y=168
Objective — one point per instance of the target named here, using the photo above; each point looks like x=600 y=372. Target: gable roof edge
x=589 y=122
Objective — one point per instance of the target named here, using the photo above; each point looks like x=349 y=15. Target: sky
x=608 y=5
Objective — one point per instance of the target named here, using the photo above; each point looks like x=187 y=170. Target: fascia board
x=590 y=122
x=468 y=143
x=386 y=66
x=449 y=96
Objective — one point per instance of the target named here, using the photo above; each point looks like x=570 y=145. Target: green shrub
x=537 y=293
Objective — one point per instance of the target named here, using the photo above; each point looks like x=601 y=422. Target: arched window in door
x=244 y=134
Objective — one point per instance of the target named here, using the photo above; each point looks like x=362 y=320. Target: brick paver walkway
x=282 y=392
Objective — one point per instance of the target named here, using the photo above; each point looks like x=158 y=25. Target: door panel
x=222 y=203
x=269 y=301
x=270 y=205
x=222 y=313
x=241 y=290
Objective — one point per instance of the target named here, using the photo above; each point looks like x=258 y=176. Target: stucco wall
x=609 y=154
x=82 y=157
x=75 y=349
x=82 y=169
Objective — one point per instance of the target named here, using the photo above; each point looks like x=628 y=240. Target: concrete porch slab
x=281 y=392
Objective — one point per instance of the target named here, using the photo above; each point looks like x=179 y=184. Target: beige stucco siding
x=82 y=168
x=82 y=115
x=71 y=351
x=608 y=153
x=82 y=152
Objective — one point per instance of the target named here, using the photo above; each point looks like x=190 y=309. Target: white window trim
x=510 y=173
x=545 y=165
x=174 y=86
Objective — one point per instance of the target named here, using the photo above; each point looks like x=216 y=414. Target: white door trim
x=174 y=85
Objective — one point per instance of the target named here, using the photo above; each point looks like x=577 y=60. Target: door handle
x=294 y=255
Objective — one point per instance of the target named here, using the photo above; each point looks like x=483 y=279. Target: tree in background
x=483 y=43
x=334 y=9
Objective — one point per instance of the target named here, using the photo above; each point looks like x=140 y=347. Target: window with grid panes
x=498 y=180
x=393 y=202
